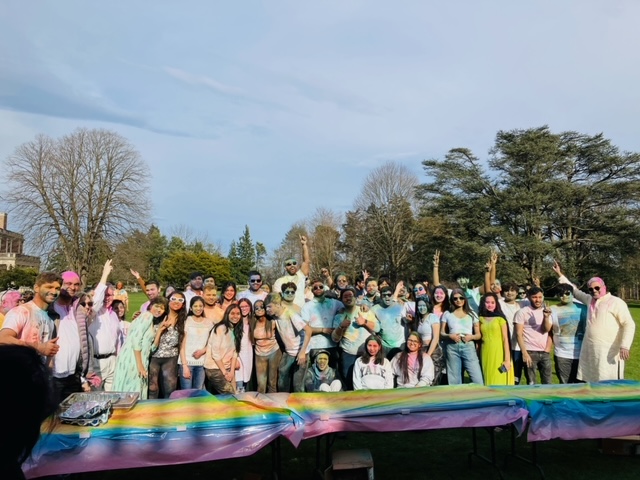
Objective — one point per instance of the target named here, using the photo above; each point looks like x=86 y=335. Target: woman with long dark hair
x=194 y=346
x=460 y=326
x=222 y=353
x=163 y=368
x=412 y=367
x=242 y=332
x=132 y=364
x=372 y=371
x=497 y=368
x=428 y=326
x=266 y=349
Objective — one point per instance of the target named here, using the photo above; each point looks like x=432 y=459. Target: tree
x=571 y=196
x=242 y=255
x=179 y=265
x=77 y=191
x=325 y=225
x=17 y=277
x=386 y=206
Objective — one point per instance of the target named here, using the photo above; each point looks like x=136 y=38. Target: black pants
x=163 y=374
x=63 y=387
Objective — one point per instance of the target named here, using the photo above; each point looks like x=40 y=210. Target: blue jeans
x=196 y=380
x=463 y=355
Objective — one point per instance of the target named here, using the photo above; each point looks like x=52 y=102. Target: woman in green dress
x=497 y=368
x=132 y=364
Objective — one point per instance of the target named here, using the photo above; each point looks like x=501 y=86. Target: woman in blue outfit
x=460 y=329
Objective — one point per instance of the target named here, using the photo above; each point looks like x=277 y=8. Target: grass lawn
x=436 y=454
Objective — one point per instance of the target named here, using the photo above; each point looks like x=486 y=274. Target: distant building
x=11 y=245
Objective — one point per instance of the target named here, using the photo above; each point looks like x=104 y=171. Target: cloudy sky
x=258 y=112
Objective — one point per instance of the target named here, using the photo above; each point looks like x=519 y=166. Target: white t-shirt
x=320 y=314
x=292 y=338
x=196 y=336
x=30 y=323
x=253 y=297
x=299 y=279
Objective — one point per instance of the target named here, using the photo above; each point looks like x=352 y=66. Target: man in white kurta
x=609 y=332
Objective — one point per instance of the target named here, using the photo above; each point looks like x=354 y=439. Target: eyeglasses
x=413 y=341
x=419 y=289
x=565 y=294
x=176 y=299
x=594 y=289
x=289 y=292
x=457 y=299
x=342 y=280
x=521 y=292
x=86 y=304
x=258 y=307
x=317 y=287
x=255 y=280
x=387 y=294
x=290 y=264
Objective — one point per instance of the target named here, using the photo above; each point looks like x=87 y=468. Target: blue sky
x=258 y=112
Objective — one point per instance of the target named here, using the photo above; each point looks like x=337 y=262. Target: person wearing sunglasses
x=389 y=315
x=266 y=349
x=254 y=292
x=296 y=273
x=460 y=328
x=610 y=328
x=319 y=314
x=288 y=291
x=163 y=367
x=568 y=324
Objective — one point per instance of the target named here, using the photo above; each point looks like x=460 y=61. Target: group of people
x=318 y=335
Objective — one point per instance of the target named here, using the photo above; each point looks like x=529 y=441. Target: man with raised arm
x=104 y=330
x=609 y=332
x=296 y=273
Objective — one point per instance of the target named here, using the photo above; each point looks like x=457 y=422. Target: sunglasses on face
x=176 y=299
x=258 y=307
x=387 y=295
x=255 y=280
x=521 y=292
x=565 y=294
x=458 y=299
x=594 y=289
x=419 y=289
x=317 y=287
x=87 y=304
x=290 y=264
x=289 y=292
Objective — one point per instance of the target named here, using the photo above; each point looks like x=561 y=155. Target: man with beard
x=389 y=316
x=195 y=282
x=295 y=335
x=104 y=330
x=609 y=331
x=533 y=323
x=29 y=324
x=351 y=329
x=71 y=363
x=319 y=314
x=255 y=291
x=295 y=274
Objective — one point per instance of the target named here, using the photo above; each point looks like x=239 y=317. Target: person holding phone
x=533 y=324
x=497 y=367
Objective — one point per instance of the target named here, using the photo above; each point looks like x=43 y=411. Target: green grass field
x=436 y=454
